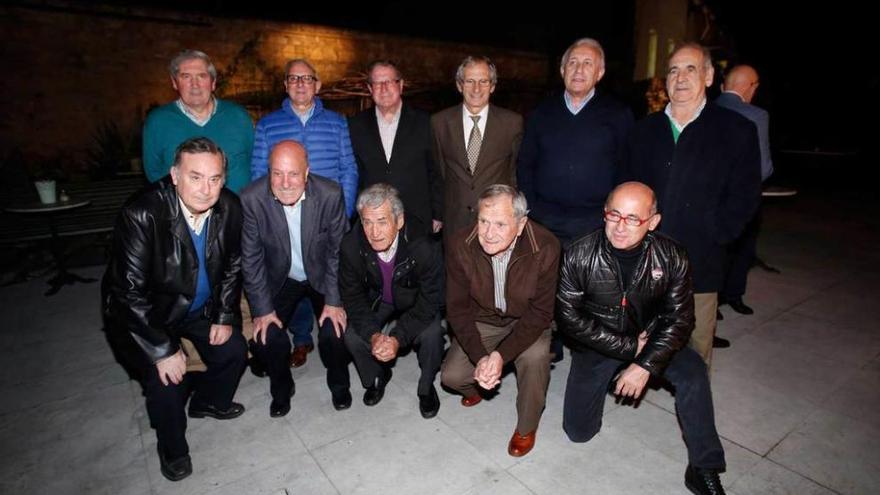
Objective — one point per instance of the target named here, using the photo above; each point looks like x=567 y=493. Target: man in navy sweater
x=572 y=150
x=573 y=146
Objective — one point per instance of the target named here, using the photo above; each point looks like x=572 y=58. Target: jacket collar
x=177 y=223
x=287 y=107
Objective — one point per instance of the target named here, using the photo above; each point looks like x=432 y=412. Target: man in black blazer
x=293 y=225
x=392 y=145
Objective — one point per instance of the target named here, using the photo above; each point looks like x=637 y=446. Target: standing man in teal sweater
x=198 y=113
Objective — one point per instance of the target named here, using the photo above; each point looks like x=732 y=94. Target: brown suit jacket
x=495 y=165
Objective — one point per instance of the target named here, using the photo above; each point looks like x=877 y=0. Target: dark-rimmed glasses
x=305 y=79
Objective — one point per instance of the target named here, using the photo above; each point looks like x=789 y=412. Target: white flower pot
x=46 y=190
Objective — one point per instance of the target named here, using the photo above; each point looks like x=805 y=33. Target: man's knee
x=327 y=336
x=578 y=434
x=277 y=337
x=536 y=355
x=234 y=349
x=455 y=377
x=433 y=335
x=354 y=342
x=688 y=372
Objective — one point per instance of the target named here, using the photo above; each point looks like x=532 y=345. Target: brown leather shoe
x=471 y=401
x=521 y=445
x=300 y=354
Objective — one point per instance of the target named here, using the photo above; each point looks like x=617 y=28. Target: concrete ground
x=796 y=401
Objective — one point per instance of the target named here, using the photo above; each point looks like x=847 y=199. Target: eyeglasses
x=483 y=83
x=630 y=220
x=385 y=83
x=305 y=79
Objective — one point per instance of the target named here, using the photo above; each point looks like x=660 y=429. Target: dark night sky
x=816 y=72
x=814 y=61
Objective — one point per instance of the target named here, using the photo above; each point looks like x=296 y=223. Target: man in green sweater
x=197 y=113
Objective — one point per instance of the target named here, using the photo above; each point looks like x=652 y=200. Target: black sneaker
x=703 y=481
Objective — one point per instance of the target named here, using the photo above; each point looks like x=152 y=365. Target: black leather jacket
x=417 y=284
x=593 y=309
x=151 y=277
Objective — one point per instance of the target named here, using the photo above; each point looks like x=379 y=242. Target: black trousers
x=588 y=383
x=741 y=255
x=214 y=387
x=275 y=354
x=428 y=343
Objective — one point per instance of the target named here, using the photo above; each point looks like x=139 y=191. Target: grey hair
x=174 y=66
x=707 y=55
x=520 y=205
x=292 y=62
x=376 y=195
x=471 y=60
x=590 y=42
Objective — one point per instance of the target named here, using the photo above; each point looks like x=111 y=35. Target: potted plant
x=46 y=172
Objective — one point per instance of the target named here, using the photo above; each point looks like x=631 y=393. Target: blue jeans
x=588 y=383
x=302 y=322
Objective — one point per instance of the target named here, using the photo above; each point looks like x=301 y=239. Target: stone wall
x=73 y=67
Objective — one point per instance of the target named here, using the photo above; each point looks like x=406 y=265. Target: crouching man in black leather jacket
x=175 y=271
x=625 y=298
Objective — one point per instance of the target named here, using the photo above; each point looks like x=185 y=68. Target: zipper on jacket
x=622 y=299
x=632 y=282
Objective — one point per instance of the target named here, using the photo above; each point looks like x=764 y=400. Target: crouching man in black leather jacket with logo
x=625 y=298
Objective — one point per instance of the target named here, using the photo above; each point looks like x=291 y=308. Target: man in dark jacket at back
x=175 y=271
x=392 y=289
x=625 y=298
x=704 y=164
x=573 y=146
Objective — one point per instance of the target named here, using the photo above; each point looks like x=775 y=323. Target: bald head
x=635 y=191
x=288 y=171
x=630 y=213
x=742 y=80
x=287 y=148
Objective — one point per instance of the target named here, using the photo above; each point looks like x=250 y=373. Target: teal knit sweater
x=231 y=128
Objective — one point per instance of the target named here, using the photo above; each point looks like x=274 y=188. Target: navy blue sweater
x=569 y=163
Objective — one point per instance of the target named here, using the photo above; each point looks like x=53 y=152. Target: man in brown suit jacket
x=501 y=285
x=472 y=159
